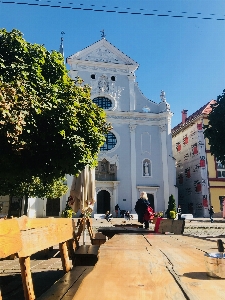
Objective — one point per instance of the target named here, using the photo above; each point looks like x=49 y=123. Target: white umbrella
x=83 y=193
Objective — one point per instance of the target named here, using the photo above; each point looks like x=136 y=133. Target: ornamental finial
x=163 y=96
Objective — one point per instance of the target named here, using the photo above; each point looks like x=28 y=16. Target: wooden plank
x=87 y=249
x=127 y=269
x=205 y=244
x=186 y=262
x=40 y=238
x=30 y=223
x=86 y=255
x=26 y=223
x=10 y=241
x=66 y=287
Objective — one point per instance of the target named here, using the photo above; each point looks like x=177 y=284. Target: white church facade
x=137 y=154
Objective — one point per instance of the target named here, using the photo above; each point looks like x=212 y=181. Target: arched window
x=110 y=142
x=103 y=102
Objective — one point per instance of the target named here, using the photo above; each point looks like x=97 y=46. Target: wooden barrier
x=25 y=236
x=171 y=226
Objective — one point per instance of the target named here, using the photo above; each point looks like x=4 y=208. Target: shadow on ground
x=12 y=288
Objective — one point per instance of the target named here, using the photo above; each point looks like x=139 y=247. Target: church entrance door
x=103 y=202
x=151 y=200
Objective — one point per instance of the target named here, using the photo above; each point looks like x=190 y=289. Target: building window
x=92 y=76
x=110 y=142
x=146 y=168
x=220 y=170
x=113 y=78
x=103 y=102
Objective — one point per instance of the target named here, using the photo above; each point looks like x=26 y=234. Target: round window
x=103 y=102
x=110 y=142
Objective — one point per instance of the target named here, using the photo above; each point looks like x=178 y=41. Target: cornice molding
x=100 y=66
x=149 y=119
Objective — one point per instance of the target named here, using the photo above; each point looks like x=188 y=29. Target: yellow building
x=199 y=177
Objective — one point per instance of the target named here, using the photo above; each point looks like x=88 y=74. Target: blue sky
x=184 y=56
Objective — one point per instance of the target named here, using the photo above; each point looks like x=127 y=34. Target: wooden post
x=84 y=230
x=64 y=257
x=26 y=278
x=0 y=290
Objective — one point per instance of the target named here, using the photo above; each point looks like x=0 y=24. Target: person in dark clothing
x=108 y=216
x=179 y=212
x=117 y=210
x=140 y=208
x=128 y=215
x=211 y=213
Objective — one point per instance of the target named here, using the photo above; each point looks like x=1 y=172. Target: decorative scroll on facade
x=105 y=171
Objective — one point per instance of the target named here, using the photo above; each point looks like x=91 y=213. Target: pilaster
x=165 y=171
x=131 y=79
x=133 y=166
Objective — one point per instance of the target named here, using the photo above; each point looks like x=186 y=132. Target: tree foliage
x=49 y=126
x=215 y=130
x=68 y=212
x=34 y=187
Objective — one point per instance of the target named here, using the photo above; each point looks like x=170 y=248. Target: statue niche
x=105 y=171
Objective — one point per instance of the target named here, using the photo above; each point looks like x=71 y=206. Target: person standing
x=117 y=210
x=140 y=208
x=211 y=213
x=179 y=212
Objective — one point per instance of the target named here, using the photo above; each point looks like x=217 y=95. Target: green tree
x=49 y=126
x=215 y=129
x=171 y=207
x=35 y=188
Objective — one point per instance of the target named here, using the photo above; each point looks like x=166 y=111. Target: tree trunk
x=10 y=205
x=25 y=205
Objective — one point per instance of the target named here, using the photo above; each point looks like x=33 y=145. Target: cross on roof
x=103 y=33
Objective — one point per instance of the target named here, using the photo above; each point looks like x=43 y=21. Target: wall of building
x=216 y=185
x=192 y=170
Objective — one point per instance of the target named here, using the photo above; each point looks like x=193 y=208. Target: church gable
x=103 y=52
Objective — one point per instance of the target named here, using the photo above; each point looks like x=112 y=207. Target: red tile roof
x=204 y=110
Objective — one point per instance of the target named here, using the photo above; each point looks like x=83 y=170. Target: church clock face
x=110 y=142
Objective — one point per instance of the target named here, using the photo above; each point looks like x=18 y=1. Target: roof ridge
x=205 y=109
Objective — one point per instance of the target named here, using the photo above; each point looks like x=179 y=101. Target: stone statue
x=163 y=96
x=146 y=169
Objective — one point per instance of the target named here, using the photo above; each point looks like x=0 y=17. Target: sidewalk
x=46 y=271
